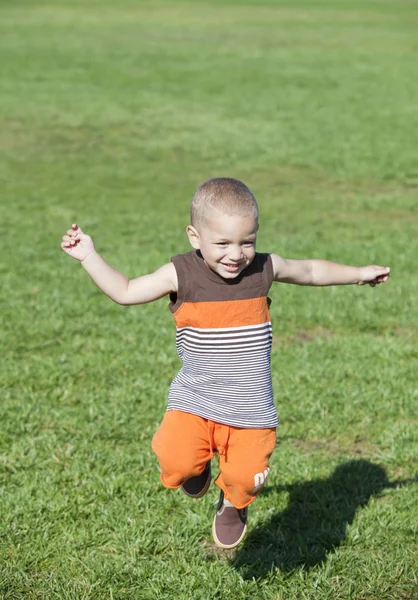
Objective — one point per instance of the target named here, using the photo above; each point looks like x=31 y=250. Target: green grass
x=111 y=113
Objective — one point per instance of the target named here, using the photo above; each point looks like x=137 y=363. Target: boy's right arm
x=114 y=283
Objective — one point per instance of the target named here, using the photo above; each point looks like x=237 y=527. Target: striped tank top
x=224 y=339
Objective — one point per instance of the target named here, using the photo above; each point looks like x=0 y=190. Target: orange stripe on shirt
x=233 y=313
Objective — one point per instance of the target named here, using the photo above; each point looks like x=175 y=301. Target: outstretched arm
x=112 y=282
x=322 y=272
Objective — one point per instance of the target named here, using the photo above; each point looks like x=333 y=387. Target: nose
x=235 y=253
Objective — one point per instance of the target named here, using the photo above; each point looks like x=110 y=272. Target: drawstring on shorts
x=220 y=446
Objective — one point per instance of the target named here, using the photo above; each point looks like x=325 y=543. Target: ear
x=194 y=237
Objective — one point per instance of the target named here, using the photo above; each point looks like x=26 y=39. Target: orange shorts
x=184 y=443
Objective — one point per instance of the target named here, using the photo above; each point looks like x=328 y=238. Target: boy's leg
x=182 y=446
x=244 y=468
x=245 y=464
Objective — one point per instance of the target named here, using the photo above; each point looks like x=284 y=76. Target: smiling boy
x=221 y=401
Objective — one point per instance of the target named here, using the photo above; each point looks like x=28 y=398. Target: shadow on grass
x=315 y=521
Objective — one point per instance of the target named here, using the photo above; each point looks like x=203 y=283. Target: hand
x=77 y=244
x=373 y=275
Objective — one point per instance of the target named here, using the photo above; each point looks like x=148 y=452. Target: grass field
x=111 y=113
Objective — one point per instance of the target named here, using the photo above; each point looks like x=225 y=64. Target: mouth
x=231 y=267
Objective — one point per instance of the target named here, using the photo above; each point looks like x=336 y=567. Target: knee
x=173 y=475
x=176 y=467
x=242 y=490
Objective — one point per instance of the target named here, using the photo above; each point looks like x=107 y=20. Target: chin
x=228 y=275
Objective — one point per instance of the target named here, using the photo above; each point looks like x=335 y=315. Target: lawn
x=111 y=114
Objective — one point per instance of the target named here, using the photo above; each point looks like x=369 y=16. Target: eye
x=222 y=244
x=249 y=243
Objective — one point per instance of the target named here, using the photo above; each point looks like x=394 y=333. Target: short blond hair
x=225 y=195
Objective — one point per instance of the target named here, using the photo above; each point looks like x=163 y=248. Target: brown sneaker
x=197 y=486
x=229 y=525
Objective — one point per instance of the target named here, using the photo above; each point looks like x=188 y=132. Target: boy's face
x=227 y=243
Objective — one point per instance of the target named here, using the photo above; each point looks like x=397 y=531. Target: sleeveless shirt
x=223 y=337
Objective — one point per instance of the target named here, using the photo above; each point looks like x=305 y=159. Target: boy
x=221 y=401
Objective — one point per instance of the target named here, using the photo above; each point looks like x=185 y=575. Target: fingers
x=381 y=275
x=379 y=279
x=69 y=241
x=76 y=228
x=72 y=236
x=381 y=271
x=74 y=231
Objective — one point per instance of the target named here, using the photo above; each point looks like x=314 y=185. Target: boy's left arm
x=322 y=272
